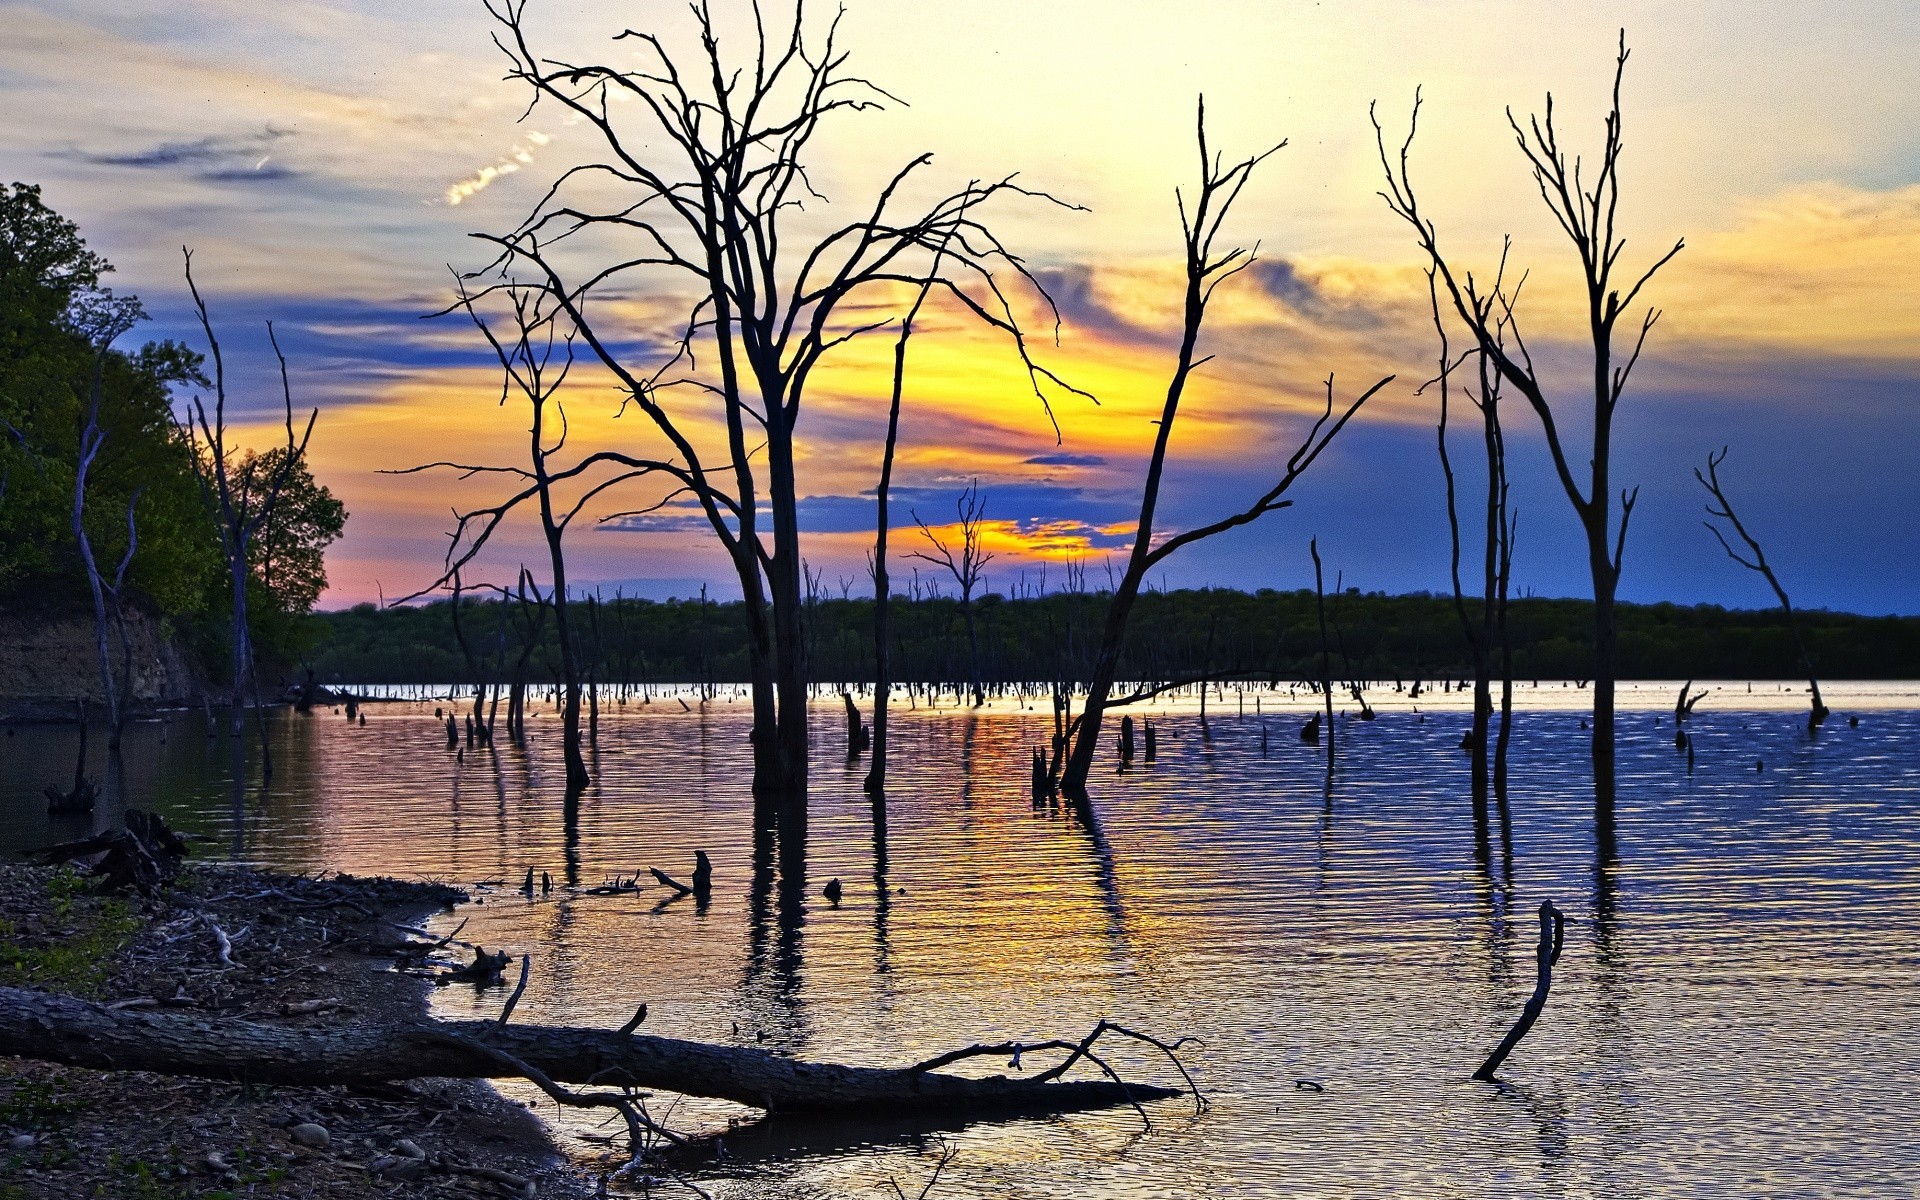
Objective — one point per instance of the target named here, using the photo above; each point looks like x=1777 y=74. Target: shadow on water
x=1547 y=1109
x=882 y=902
x=797 y=1137
x=771 y=992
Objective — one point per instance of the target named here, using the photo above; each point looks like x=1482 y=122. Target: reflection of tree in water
x=882 y=905
x=1495 y=897
x=1105 y=879
x=1548 y=1109
x=969 y=727
x=1324 y=836
x=1619 y=1140
x=770 y=992
x=237 y=794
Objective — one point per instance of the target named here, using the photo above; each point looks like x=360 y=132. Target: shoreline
x=308 y=951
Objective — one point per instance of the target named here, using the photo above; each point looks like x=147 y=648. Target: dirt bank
x=50 y=661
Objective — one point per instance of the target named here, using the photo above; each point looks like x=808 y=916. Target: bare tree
x=876 y=780
x=1485 y=633
x=1587 y=214
x=243 y=495
x=1206 y=270
x=1721 y=510
x=101 y=318
x=965 y=567
x=1326 y=656
x=706 y=192
x=534 y=347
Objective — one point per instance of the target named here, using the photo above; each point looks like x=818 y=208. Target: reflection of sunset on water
x=1354 y=940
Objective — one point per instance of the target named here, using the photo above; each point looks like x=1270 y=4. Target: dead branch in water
x=1552 y=934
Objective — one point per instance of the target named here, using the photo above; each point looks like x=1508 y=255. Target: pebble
x=314 y=1137
x=20 y=1141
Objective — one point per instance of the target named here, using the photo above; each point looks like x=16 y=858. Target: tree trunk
x=1605 y=639
x=1326 y=658
x=973 y=648
x=61 y=1029
x=577 y=776
x=789 y=763
x=1073 y=782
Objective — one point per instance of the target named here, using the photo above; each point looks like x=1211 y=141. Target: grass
x=75 y=952
x=138 y=1179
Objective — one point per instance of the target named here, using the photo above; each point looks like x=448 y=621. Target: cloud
x=1065 y=460
x=509 y=163
x=246 y=158
x=1825 y=269
x=1316 y=294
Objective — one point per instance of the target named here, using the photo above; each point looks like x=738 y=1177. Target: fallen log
x=62 y=1029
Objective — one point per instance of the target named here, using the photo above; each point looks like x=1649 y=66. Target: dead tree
x=64 y=1029
x=1585 y=208
x=965 y=567
x=701 y=194
x=1326 y=654
x=1206 y=270
x=875 y=783
x=858 y=736
x=529 y=610
x=1721 y=509
x=535 y=353
x=101 y=318
x=1485 y=635
x=1546 y=955
x=475 y=673
x=243 y=494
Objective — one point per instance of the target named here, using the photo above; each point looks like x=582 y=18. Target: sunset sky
x=326 y=160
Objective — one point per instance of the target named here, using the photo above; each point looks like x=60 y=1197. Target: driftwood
x=79 y=1033
x=1552 y=935
x=484 y=969
x=143 y=856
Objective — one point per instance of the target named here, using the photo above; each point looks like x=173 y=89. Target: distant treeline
x=1259 y=635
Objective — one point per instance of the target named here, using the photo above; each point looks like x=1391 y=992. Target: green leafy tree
x=288 y=556
x=48 y=280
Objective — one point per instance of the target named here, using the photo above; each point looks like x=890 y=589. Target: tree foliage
x=50 y=283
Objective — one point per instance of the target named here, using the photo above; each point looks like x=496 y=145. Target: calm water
x=1737 y=1012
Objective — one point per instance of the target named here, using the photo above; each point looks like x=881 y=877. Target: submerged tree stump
x=1552 y=934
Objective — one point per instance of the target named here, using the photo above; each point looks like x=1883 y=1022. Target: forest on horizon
x=1265 y=635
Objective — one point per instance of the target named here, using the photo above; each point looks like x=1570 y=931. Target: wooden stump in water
x=1552 y=934
x=859 y=737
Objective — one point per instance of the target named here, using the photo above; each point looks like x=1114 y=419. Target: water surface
x=1737 y=1011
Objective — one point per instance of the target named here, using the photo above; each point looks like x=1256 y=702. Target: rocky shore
x=262 y=947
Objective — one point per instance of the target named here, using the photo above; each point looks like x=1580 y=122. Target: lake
x=1737 y=1011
